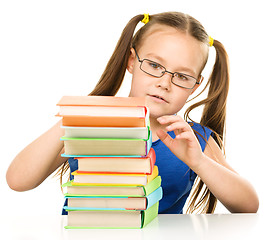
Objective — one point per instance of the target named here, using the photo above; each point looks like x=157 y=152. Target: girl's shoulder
x=203 y=133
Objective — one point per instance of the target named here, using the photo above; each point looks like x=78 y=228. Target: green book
x=106 y=146
x=106 y=219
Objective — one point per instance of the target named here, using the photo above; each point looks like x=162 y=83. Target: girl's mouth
x=158 y=98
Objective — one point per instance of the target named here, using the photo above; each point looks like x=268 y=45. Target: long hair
x=214 y=111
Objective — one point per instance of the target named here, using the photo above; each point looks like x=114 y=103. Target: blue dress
x=177 y=177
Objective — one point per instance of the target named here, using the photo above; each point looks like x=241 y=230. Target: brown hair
x=214 y=112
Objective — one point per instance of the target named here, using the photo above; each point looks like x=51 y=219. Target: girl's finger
x=169 y=118
x=165 y=138
x=184 y=136
x=181 y=126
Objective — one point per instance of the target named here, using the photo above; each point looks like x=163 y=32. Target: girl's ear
x=131 y=60
x=201 y=78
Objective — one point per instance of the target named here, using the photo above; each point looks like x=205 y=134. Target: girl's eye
x=155 y=65
x=182 y=77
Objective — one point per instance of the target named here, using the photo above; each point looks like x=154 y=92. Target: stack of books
x=117 y=183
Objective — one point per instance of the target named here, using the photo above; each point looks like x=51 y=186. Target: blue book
x=76 y=203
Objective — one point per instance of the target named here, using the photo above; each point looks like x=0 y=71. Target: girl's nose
x=165 y=81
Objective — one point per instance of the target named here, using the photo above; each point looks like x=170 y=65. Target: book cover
x=115 y=179
x=101 y=101
x=113 y=202
x=88 y=189
x=106 y=219
x=76 y=147
x=89 y=118
x=102 y=111
x=107 y=132
x=87 y=121
x=142 y=165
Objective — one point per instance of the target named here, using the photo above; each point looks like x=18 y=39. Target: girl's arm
x=233 y=191
x=37 y=161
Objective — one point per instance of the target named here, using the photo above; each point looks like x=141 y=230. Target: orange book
x=103 y=111
x=87 y=121
x=101 y=101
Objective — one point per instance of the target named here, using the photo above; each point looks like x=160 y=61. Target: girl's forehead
x=158 y=29
x=176 y=48
x=165 y=36
x=162 y=28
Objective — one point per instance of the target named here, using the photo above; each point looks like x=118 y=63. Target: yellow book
x=114 y=179
x=78 y=189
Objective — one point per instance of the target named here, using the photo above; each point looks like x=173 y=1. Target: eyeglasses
x=157 y=70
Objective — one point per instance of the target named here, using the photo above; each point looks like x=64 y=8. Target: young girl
x=166 y=58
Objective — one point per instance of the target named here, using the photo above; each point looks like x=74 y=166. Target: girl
x=166 y=58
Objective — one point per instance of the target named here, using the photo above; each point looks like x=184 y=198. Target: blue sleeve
x=202 y=133
x=73 y=163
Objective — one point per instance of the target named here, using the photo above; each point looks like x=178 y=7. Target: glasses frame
x=166 y=71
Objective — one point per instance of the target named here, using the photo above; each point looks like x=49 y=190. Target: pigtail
x=214 y=117
x=113 y=75
x=214 y=112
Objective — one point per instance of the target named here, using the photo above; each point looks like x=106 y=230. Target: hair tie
x=146 y=18
x=210 y=41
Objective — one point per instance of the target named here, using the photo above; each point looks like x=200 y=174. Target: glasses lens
x=184 y=80
x=152 y=68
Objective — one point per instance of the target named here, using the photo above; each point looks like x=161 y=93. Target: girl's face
x=177 y=52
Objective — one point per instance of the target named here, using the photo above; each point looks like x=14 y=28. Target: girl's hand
x=185 y=145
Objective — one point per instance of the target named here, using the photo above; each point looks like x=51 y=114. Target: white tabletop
x=165 y=226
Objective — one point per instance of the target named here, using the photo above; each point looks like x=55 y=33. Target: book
x=117 y=183
x=87 y=121
x=103 y=111
x=106 y=132
x=115 y=179
x=86 y=219
x=101 y=101
x=87 y=189
x=113 y=202
x=118 y=164
x=106 y=146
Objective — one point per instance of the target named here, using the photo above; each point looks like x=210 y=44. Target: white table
x=164 y=227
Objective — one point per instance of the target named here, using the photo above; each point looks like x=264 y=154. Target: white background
x=53 y=48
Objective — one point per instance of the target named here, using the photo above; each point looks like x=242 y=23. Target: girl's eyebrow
x=162 y=62
x=155 y=56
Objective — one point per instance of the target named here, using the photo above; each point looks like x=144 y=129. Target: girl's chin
x=157 y=114
x=158 y=110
